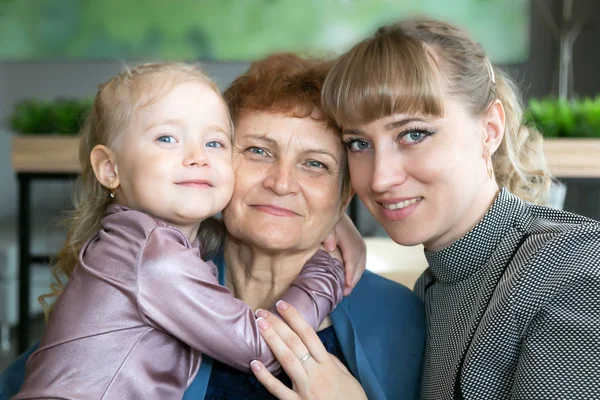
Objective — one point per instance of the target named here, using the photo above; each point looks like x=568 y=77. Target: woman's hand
x=353 y=248
x=314 y=372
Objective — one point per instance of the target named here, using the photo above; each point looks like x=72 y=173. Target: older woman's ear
x=349 y=197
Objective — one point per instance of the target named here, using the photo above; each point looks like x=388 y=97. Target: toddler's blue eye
x=214 y=143
x=166 y=139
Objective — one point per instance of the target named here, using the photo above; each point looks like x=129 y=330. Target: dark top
x=229 y=383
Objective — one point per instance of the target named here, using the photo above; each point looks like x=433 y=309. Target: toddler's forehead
x=167 y=100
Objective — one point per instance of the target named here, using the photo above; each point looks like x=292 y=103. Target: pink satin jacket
x=141 y=307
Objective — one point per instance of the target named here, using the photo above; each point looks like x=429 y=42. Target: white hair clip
x=491 y=71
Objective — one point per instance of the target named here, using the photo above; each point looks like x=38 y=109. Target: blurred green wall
x=236 y=30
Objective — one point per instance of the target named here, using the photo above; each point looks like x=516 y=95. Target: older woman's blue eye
x=257 y=150
x=166 y=139
x=214 y=143
x=315 y=164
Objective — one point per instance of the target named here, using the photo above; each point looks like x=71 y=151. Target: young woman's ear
x=105 y=167
x=494 y=122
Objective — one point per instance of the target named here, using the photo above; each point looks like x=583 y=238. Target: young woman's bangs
x=378 y=79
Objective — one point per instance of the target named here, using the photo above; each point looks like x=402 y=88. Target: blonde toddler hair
x=114 y=106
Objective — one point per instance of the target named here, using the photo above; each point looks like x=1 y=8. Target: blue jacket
x=381 y=330
x=380 y=327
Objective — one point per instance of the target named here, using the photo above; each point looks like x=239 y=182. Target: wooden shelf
x=45 y=154
x=567 y=158
x=573 y=158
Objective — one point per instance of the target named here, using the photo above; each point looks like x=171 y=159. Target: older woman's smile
x=275 y=210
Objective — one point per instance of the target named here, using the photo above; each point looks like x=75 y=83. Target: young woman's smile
x=398 y=209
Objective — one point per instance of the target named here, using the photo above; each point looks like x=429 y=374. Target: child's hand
x=353 y=250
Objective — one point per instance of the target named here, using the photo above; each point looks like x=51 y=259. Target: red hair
x=283 y=83
x=288 y=84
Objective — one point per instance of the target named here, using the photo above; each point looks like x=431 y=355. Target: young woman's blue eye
x=166 y=139
x=413 y=136
x=356 y=145
x=214 y=143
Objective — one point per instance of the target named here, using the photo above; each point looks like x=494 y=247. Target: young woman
x=439 y=155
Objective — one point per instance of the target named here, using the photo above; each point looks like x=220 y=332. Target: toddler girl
x=140 y=305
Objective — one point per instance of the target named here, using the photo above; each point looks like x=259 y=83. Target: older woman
x=439 y=155
x=291 y=188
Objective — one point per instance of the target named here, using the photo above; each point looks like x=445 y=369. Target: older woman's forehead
x=306 y=134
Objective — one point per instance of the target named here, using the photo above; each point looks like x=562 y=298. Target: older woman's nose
x=195 y=157
x=388 y=172
x=281 y=178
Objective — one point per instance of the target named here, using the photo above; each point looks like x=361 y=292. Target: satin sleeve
x=322 y=281
x=180 y=294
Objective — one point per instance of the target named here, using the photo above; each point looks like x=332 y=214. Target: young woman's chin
x=405 y=236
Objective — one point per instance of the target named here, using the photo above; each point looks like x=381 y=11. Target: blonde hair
x=112 y=111
x=408 y=67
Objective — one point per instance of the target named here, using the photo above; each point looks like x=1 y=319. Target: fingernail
x=262 y=313
x=282 y=305
x=262 y=323
x=255 y=365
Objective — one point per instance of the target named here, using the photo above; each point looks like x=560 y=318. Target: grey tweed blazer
x=513 y=307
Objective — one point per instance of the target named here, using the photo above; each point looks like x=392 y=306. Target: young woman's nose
x=281 y=178
x=388 y=171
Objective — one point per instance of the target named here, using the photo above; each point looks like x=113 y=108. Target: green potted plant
x=59 y=117
x=572 y=132
x=46 y=134
x=578 y=118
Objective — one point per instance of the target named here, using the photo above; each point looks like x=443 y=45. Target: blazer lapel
x=197 y=390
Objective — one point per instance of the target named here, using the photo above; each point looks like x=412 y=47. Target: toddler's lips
x=195 y=183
